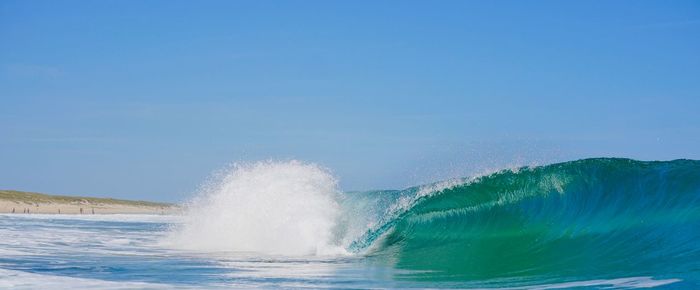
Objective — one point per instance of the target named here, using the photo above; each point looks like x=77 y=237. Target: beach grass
x=35 y=198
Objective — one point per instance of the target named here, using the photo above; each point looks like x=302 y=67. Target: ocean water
x=594 y=223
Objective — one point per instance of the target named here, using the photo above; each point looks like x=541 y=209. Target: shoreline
x=16 y=207
x=19 y=202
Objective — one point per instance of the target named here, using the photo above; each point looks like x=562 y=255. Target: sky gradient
x=144 y=99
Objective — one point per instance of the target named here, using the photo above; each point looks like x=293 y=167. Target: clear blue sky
x=144 y=99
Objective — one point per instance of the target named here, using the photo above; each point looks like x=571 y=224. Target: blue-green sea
x=594 y=223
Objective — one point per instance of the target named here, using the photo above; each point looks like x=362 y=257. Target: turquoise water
x=594 y=223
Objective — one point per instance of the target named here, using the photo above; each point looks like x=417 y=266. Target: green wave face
x=585 y=219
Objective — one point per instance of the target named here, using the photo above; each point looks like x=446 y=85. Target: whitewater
x=592 y=223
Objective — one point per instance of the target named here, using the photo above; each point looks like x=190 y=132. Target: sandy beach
x=28 y=203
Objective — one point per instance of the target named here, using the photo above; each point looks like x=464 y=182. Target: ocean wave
x=591 y=218
x=581 y=218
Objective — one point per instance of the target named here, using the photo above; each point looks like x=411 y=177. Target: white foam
x=10 y=279
x=628 y=283
x=286 y=208
x=45 y=235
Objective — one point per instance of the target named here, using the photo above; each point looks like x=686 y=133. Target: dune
x=20 y=202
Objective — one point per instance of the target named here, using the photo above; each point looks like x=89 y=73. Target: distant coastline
x=20 y=202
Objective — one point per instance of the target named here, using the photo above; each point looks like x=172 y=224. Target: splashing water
x=287 y=208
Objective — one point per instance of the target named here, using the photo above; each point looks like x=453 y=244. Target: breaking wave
x=584 y=218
